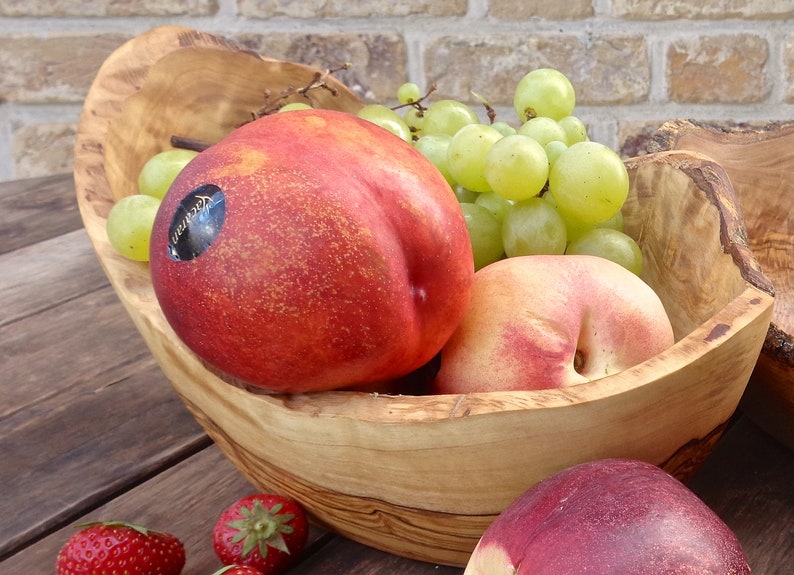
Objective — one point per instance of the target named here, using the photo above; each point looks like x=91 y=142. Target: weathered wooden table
x=91 y=429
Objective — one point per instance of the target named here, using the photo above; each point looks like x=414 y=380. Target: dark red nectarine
x=608 y=517
x=311 y=250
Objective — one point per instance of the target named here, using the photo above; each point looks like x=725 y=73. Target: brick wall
x=634 y=63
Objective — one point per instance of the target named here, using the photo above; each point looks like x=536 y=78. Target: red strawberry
x=115 y=547
x=263 y=531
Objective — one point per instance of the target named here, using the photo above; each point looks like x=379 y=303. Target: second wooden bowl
x=759 y=162
x=423 y=476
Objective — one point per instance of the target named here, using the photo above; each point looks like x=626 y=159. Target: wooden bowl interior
x=202 y=93
x=675 y=262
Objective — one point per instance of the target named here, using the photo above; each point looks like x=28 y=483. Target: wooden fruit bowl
x=423 y=476
x=759 y=163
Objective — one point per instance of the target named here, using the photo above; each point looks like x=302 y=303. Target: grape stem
x=488 y=108
x=418 y=103
x=190 y=143
x=319 y=81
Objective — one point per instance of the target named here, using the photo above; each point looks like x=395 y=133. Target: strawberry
x=115 y=547
x=263 y=531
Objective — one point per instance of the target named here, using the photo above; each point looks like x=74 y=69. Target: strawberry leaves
x=264 y=531
x=261 y=528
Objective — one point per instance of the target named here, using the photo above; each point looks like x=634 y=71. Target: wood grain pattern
x=422 y=476
x=758 y=163
x=201 y=93
x=94 y=322
x=34 y=210
x=186 y=500
x=89 y=444
x=69 y=268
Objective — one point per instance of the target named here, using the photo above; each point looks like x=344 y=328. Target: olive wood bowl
x=422 y=476
x=759 y=162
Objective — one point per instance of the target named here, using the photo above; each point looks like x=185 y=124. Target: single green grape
x=408 y=92
x=589 y=181
x=533 y=227
x=485 y=232
x=544 y=92
x=554 y=149
x=516 y=167
x=494 y=203
x=610 y=244
x=549 y=197
x=160 y=171
x=292 y=106
x=466 y=155
x=504 y=128
x=576 y=228
x=447 y=117
x=386 y=118
x=543 y=130
x=129 y=225
x=575 y=130
x=434 y=147
x=465 y=196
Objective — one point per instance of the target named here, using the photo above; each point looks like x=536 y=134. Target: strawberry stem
x=261 y=528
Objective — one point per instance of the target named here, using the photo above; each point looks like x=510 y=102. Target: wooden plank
x=80 y=344
x=84 y=409
x=43 y=275
x=344 y=556
x=37 y=209
x=74 y=450
x=185 y=500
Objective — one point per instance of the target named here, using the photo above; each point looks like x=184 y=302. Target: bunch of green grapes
x=130 y=220
x=539 y=187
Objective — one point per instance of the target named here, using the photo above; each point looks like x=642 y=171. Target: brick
x=315 y=9
x=701 y=9
x=727 y=62
x=43 y=149
x=603 y=69
x=52 y=69
x=95 y=8
x=540 y=9
x=788 y=62
x=378 y=60
x=718 y=69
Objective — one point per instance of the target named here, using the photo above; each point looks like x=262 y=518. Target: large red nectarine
x=608 y=517
x=311 y=250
